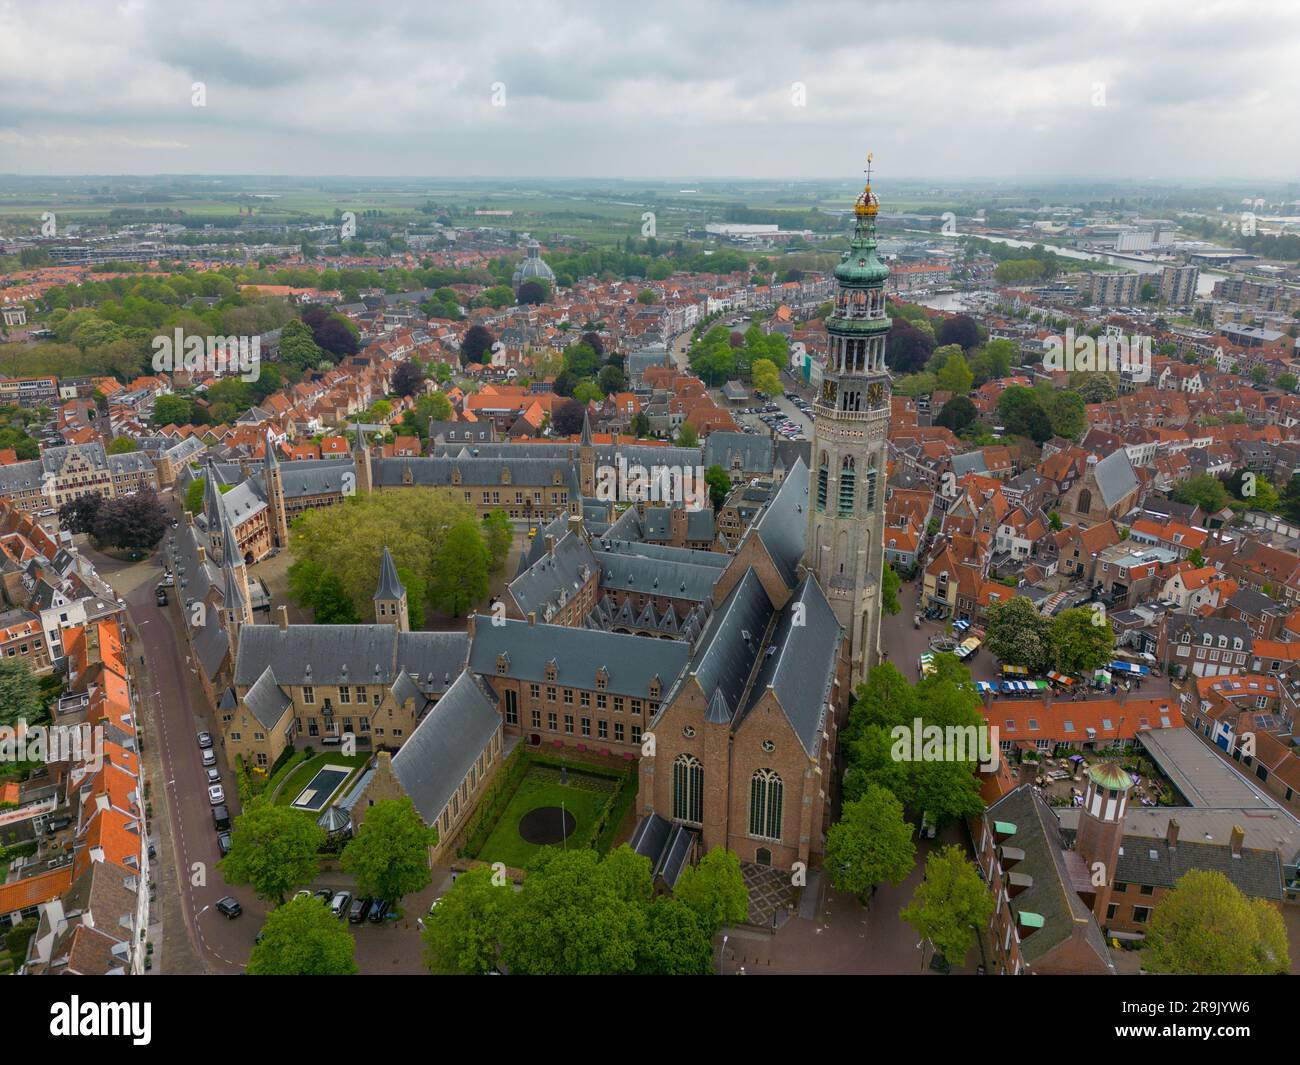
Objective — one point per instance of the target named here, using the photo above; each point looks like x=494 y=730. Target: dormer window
x=602 y=679
x=552 y=670
x=503 y=664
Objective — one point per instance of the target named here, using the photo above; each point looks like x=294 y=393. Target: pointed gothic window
x=871 y=488
x=823 y=476
x=766 y=798
x=688 y=789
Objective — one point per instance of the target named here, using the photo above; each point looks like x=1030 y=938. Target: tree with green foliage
x=461 y=931
x=715 y=889
x=1080 y=640
x=460 y=570
x=1207 y=927
x=958 y=413
x=766 y=376
x=574 y=918
x=320 y=590
x=955 y=375
x=870 y=843
x=172 y=410
x=1066 y=414
x=303 y=938
x=640 y=425
x=677 y=941
x=275 y=849
x=20 y=693
x=950 y=904
x=946 y=789
x=1023 y=415
x=719 y=485
x=194 y=495
x=687 y=436
x=1015 y=633
x=890 y=583
x=499 y=534
x=348 y=541
x=1205 y=491
x=122 y=445
x=389 y=855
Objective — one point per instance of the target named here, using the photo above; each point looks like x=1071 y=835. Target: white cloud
x=935 y=87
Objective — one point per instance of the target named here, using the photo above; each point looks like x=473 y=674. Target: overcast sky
x=1192 y=90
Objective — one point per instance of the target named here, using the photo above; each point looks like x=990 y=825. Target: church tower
x=390 y=596
x=1101 y=828
x=277 y=517
x=587 y=459
x=845 y=546
x=361 y=457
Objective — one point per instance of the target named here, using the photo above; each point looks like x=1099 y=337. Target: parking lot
x=788 y=415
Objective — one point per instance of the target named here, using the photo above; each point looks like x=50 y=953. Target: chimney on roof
x=550 y=544
x=1171 y=833
x=283 y=612
x=532 y=617
x=1235 y=841
x=202 y=554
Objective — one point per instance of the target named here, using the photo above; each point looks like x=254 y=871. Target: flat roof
x=1203 y=777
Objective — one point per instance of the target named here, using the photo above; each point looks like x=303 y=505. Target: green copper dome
x=1110 y=775
x=860 y=266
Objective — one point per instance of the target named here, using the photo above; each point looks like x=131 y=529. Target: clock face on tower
x=876 y=394
x=828 y=393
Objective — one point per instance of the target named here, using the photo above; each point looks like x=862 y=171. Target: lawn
x=292 y=786
x=541 y=787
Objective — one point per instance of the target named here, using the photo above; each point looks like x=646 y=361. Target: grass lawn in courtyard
x=584 y=797
x=292 y=786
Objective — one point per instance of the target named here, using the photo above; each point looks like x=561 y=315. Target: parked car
x=360 y=908
x=221 y=818
x=303 y=894
x=160 y=595
x=230 y=906
x=434 y=904
x=214 y=775
x=205 y=740
x=209 y=757
x=339 y=904
x=223 y=843
x=379 y=910
x=216 y=794
x=325 y=896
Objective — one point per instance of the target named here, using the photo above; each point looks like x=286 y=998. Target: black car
x=229 y=906
x=360 y=907
x=223 y=843
x=325 y=896
x=379 y=911
x=160 y=596
x=221 y=817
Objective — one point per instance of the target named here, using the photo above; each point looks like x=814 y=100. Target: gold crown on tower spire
x=867 y=204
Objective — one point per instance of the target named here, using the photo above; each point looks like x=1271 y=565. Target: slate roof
x=266 y=700
x=349 y=654
x=1115 y=477
x=390 y=585
x=783 y=524
x=635 y=570
x=632 y=662
x=752 y=451
x=1257 y=873
x=799 y=666
x=554 y=579
x=438 y=755
x=1051 y=895
x=731 y=642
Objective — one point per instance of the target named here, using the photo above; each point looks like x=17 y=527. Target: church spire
x=390 y=595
